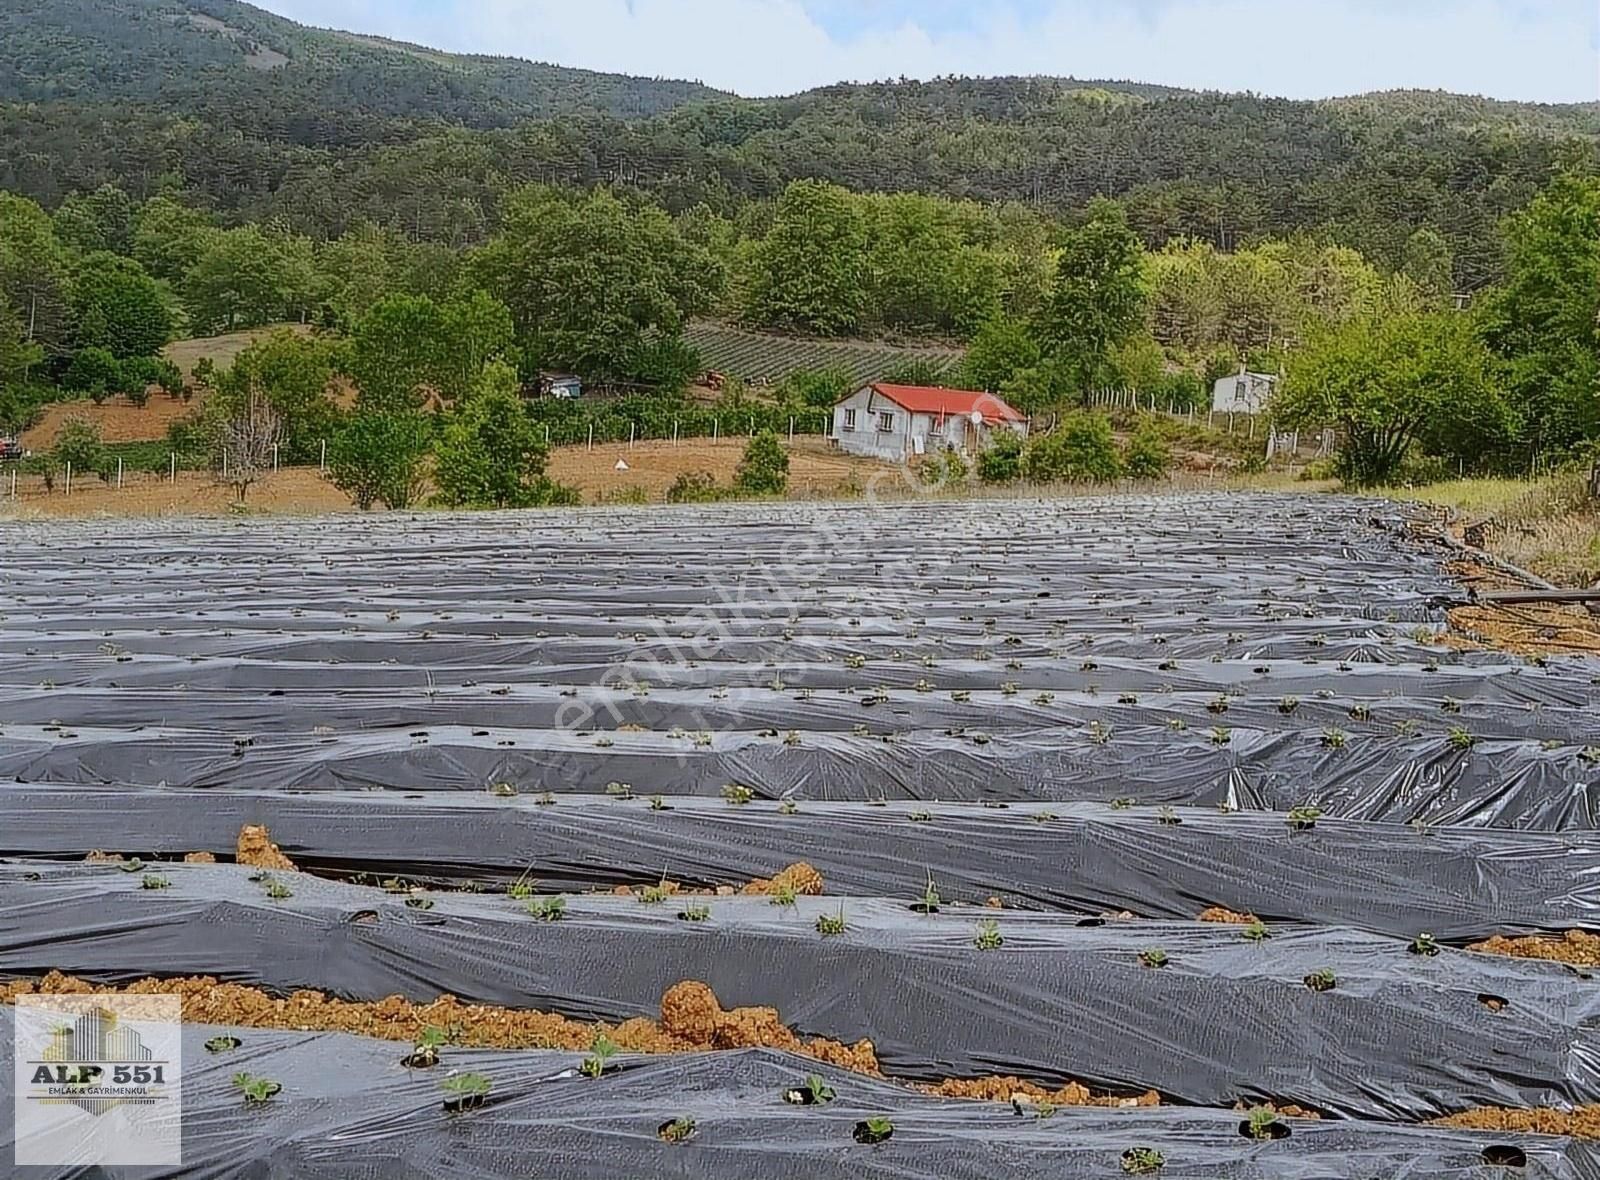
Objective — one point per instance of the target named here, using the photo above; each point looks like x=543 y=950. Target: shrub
x=944 y=467
x=1147 y=455
x=694 y=487
x=93 y=371
x=377 y=457
x=78 y=443
x=492 y=454
x=1079 y=450
x=764 y=470
x=1001 y=460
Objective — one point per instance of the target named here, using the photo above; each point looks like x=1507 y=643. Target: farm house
x=1243 y=393
x=896 y=422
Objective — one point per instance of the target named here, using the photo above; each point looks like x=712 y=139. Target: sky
x=1540 y=50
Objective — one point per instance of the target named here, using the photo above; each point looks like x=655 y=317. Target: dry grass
x=118 y=419
x=222 y=349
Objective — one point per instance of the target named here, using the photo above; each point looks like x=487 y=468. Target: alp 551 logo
x=98 y=1080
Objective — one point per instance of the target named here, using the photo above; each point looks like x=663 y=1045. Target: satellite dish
x=622 y=465
x=977 y=417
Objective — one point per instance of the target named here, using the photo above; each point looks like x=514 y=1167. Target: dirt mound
x=199 y=858
x=1582 y=1122
x=800 y=877
x=1007 y=1089
x=1218 y=914
x=692 y=1019
x=1575 y=946
x=257 y=850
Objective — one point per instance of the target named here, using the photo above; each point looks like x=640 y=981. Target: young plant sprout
x=277 y=890
x=781 y=895
x=1099 y=733
x=1322 y=980
x=654 y=894
x=548 y=909
x=256 y=1090
x=503 y=791
x=154 y=881
x=831 y=924
x=694 y=913
x=1142 y=1161
x=425 y=1049
x=1461 y=738
x=1424 y=944
x=1121 y=804
x=521 y=889
x=1333 y=738
x=788 y=807
x=601 y=1050
x=1217 y=705
x=420 y=903
x=737 y=795
x=930 y=899
x=1262 y=1123
x=1256 y=931
x=222 y=1044
x=132 y=866
x=622 y=791
x=676 y=1130
x=1154 y=958
x=815 y=1092
x=1168 y=816
x=988 y=937
x=658 y=803
x=873 y=1131
x=1221 y=735
x=1304 y=817
x=546 y=799
x=1288 y=704
x=467 y=1091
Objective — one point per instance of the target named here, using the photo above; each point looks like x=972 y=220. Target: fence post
x=674 y=432
x=632 y=426
x=547 y=434
x=119 y=473
x=274 y=456
x=752 y=425
x=69 y=477
x=13 y=483
x=174 y=474
x=791 y=430
x=322 y=463
x=224 y=464
x=591 y=436
x=716 y=426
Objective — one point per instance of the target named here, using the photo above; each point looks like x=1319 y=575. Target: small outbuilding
x=897 y=422
x=559 y=385
x=1243 y=393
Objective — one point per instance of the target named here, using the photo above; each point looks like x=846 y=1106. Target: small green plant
x=1217 y=705
x=654 y=894
x=1122 y=803
x=503 y=791
x=1142 y=1161
x=419 y=903
x=256 y=1090
x=601 y=1050
x=1168 y=816
x=522 y=888
x=920 y=817
x=781 y=895
x=695 y=913
x=988 y=937
x=1450 y=705
x=1288 y=704
x=831 y=924
x=222 y=1044
x=1461 y=738
x=815 y=1092
x=930 y=899
x=1099 y=733
x=425 y=1048
x=1155 y=958
x=1333 y=738
x=623 y=791
x=1043 y=817
x=658 y=803
x=548 y=909
x=277 y=890
x=1256 y=931
x=1304 y=817
x=1424 y=944
x=676 y=1130
x=154 y=881
x=1262 y=1123
x=1322 y=980
x=872 y=1131
x=788 y=807
x=132 y=866
x=737 y=795
x=1221 y=736
x=546 y=799
x=467 y=1091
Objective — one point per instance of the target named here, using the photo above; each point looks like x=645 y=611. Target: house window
x=885 y=422
x=849 y=419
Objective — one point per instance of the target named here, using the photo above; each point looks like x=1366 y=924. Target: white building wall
x=864 y=438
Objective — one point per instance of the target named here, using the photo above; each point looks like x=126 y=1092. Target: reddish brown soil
x=800 y=877
x=1004 y=1089
x=199 y=858
x=1583 y=1122
x=257 y=850
x=1573 y=947
x=1218 y=914
x=119 y=419
x=1532 y=630
x=691 y=1019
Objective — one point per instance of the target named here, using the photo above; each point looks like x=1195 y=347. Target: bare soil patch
x=1575 y=946
x=118 y=419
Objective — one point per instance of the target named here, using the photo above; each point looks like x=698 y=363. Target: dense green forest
x=193 y=168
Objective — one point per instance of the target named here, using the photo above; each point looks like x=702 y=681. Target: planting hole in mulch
x=871 y=1132
x=364 y=917
x=923 y=907
x=1503 y=1155
x=420 y=1059
x=1272 y=1130
x=1492 y=1002
x=675 y=1130
x=222 y=1044
x=464 y=1103
x=1085 y=922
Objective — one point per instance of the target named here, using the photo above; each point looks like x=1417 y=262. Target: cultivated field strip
x=540 y=1107
x=1063 y=728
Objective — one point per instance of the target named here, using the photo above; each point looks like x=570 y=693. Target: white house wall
x=866 y=438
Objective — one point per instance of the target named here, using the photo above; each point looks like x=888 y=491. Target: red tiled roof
x=926 y=399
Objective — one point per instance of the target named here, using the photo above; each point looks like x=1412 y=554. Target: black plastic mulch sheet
x=348 y=1108
x=1265 y=650
x=1400 y=1035
x=1460 y=884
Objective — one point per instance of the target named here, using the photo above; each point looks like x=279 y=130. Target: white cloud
x=1545 y=50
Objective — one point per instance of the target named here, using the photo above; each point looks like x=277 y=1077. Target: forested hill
x=256 y=117
x=223 y=59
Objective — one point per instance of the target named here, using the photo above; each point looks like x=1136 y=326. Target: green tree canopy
x=1395 y=382
x=376 y=457
x=764 y=469
x=809 y=273
x=169 y=237
x=119 y=307
x=34 y=277
x=292 y=374
x=1099 y=295
x=1081 y=449
x=491 y=454
x=100 y=220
